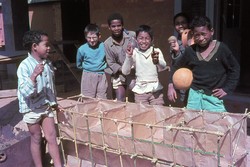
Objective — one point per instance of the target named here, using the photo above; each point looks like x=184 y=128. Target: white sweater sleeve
x=128 y=63
x=162 y=65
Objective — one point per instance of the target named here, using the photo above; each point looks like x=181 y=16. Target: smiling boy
x=91 y=59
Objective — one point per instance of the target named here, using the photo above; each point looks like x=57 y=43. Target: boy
x=91 y=59
x=115 y=47
x=37 y=95
x=147 y=61
x=215 y=70
x=181 y=23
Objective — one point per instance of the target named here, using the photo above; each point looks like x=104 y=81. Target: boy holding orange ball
x=215 y=70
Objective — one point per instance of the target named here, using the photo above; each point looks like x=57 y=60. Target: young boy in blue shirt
x=91 y=59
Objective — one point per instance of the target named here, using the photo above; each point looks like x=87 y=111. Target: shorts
x=197 y=100
x=94 y=85
x=130 y=82
x=117 y=82
x=152 y=98
x=35 y=116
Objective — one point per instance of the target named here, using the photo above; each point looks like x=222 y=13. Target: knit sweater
x=219 y=70
x=91 y=59
x=146 y=72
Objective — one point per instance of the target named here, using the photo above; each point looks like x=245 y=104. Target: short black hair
x=182 y=14
x=145 y=28
x=115 y=16
x=200 y=21
x=31 y=37
x=91 y=28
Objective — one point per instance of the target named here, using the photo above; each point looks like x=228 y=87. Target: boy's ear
x=212 y=31
x=33 y=46
x=152 y=42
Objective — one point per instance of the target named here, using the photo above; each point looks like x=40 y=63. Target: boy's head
x=37 y=43
x=181 y=22
x=115 y=22
x=201 y=21
x=115 y=16
x=144 y=37
x=202 y=30
x=92 y=34
x=33 y=37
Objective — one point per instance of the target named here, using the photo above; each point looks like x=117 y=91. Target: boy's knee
x=36 y=138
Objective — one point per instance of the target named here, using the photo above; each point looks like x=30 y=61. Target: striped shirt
x=32 y=95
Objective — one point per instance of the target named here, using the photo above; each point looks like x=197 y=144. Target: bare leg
x=121 y=93
x=49 y=130
x=35 y=145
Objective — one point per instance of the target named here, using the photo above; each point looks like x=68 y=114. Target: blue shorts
x=197 y=100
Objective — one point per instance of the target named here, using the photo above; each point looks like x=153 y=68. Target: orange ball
x=182 y=78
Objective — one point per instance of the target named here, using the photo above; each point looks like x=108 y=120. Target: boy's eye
x=146 y=39
x=180 y=23
x=94 y=38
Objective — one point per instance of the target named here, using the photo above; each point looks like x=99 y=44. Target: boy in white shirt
x=148 y=61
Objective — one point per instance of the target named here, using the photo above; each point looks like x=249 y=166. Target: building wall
x=135 y=13
x=156 y=13
x=46 y=17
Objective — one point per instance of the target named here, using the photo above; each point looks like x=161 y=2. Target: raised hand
x=155 y=56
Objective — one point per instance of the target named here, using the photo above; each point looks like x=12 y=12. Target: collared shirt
x=116 y=52
x=35 y=95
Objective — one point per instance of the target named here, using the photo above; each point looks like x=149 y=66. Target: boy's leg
x=142 y=98
x=212 y=103
x=120 y=89
x=120 y=93
x=194 y=99
x=102 y=86
x=35 y=144
x=156 y=98
x=49 y=130
x=89 y=84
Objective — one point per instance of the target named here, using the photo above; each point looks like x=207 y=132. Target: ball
x=182 y=78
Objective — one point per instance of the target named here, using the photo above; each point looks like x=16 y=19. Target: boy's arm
x=111 y=61
x=128 y=63
x=233 y=73
x=79 y=59
x=27 y=85
x=162 y=65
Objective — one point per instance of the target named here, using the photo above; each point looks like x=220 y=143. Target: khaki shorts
x=35 y=116
x=130 y=82
x=116 y=82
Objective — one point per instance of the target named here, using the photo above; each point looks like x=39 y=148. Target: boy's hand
x=219 y=93
x=172 y=96
x=129 y=50
x=155 y=57
x=37 y=71
x=174 y=46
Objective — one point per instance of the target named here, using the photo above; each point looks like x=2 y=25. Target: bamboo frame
x=102 y=125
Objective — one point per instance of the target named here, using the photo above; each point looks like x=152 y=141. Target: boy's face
x=144 y=41
x=42 y=49
x=203 y=36
x=116 y=28
x=180 y=24
x=92 y=38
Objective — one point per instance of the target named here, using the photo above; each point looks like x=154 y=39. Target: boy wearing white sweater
x=147 y=61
